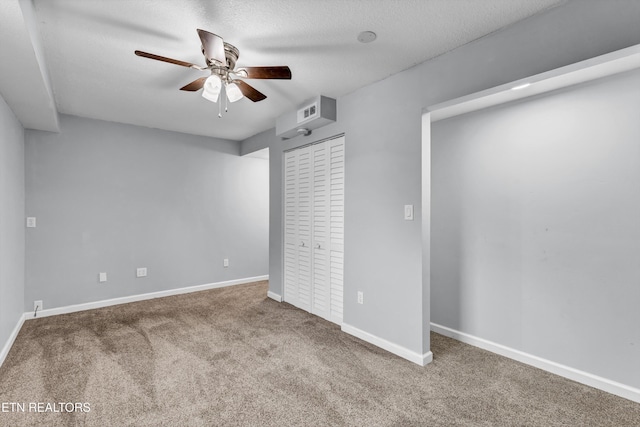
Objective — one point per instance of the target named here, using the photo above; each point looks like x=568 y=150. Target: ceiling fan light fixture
x=233 y=92
x=220 y=59
x=211 y=88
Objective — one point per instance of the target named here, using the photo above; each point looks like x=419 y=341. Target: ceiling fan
x=221 y=60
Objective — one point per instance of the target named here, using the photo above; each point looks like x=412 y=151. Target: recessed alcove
x=530 y=219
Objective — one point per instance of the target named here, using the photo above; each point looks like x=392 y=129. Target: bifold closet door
x=336 y=227
x=290 y=208
x=297 y=256
x=320 y=230
x=314 y=228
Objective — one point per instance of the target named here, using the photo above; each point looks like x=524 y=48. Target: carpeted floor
x=233 y=357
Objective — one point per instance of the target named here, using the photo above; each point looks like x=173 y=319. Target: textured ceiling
x=88 y=46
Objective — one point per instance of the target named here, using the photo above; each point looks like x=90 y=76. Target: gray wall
x=382 y=126
x=111 y=198
x=536 y=226
x=12 y=221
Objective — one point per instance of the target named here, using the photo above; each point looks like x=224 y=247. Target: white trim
x=142 y=297
x=582 y=377
x=274 y=296
x=12 y=338
x=405 y=353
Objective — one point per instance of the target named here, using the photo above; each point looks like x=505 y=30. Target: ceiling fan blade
x=249 y=91
x=165 y=59
x=278 y=72
x=213 y=46
x=194 y=85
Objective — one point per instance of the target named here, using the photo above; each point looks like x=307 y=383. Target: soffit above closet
x=598 y=67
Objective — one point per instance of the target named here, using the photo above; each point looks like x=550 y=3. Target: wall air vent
x=311 y=115
x=308 y=113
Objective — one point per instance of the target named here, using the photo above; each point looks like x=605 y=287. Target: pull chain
x=223 y=96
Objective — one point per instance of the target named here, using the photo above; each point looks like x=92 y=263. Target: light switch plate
x=31 y=222
x=408 y=212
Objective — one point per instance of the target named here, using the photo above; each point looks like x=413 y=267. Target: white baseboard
x=582 y=377
x=12 y=338
x=274 y=296
x=405 y=353
x=142 y=297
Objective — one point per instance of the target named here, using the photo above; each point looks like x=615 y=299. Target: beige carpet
x=233 y=357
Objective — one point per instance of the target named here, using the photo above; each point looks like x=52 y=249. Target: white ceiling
x=88 y=50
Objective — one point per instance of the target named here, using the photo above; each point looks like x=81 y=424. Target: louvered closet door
x=297 y=228
x=291 y=227
x=314 y=228
x=304 y=227
x=336 y=227
x=321 y=290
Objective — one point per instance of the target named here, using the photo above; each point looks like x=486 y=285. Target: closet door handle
x=318 y=247
x=302 y=244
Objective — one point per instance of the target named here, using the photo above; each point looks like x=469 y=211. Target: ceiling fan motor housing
x=231 y=53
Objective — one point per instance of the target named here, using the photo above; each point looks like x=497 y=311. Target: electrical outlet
x=37 y=305
x=360 y=297
x=31 y=222
x=141 y=272
x=225 y=262
x=102 y=277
